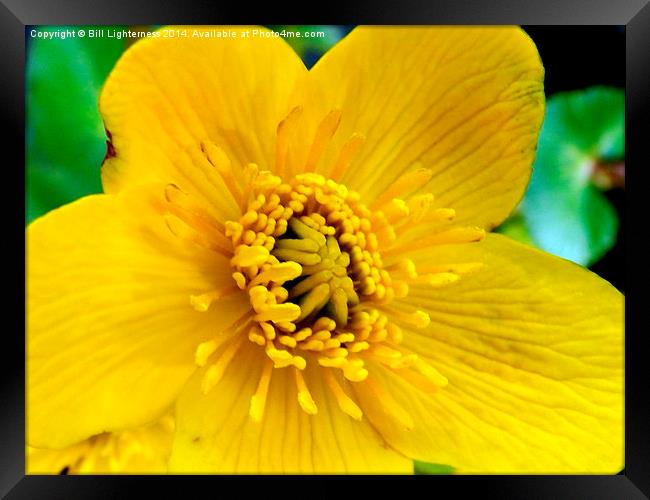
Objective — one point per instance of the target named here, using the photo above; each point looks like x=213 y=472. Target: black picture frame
x=633 y=482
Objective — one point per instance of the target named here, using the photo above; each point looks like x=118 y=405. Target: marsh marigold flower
x=298 y=261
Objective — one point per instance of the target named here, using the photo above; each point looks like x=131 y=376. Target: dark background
x=574 y=59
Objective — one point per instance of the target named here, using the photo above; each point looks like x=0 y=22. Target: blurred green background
x=65 y=141
x=580 y=154
x=573 y=207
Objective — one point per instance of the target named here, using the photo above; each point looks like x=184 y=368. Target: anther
x=304 y=397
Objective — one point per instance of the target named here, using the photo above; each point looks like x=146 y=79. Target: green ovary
x=324 y=285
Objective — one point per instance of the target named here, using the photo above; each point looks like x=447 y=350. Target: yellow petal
x=111 y=331
x=215 y=432
x=532 y=347
x=465 y=103
x=168 y=94
x=143 y=450
x=47 y=461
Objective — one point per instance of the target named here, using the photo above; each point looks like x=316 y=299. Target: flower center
x=326 y=276
x=306 y=253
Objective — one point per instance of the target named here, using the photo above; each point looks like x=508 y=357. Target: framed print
x=372 y=248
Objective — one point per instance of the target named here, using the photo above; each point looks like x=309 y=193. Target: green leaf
x=563 y=212
x=65 y=138
x=425 y=468
x=515 y=228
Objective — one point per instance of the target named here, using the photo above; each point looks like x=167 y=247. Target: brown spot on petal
x=110 y=149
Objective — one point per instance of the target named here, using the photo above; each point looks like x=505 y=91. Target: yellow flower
x=298 y=260
x=142 y=450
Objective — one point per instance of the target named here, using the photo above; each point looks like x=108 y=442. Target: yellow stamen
x=404 y=266
x=345 y=337
x=388 y=405
x=419 y=205
x=183 y=231
x=240 y=279
x=396 y=210
x=348 y=153
x=386 y=352
x=283 y=358
x=192 y=213
x=324 y=133
x=204 y=350
x=355 y=372
x=417 y=380
x=434 y=216
x=358 y=346
x=312 y=345
x=304 y=397
x=344 y=401
x=324 y=323
x=430 y=372
x=202 y=302
x=285 y=130
x=306 y=232
x=417 y=318
x=215 y=372
x=287 y=340
x=269 y=331
x=401 y=289
x=258 y=400
x=395 y=334
x=256 y=337
x=449 y=237
x=249 y=256
x=321 y=335
x=279 y=313
x=303 y=334
x=222 y=164
x=406 y=184
x=436 y=279
x=334 y=362
x=278 y=273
